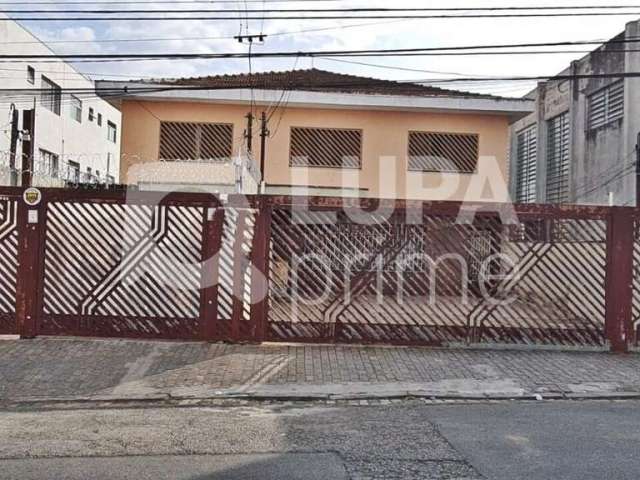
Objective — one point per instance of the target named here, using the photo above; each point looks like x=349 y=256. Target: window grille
x=47 y=164
x=558 y=159
x=606 y=105
x=443 y=152
x=526 y=165
x=196 y=141
x=73 y=172
x=326 y=147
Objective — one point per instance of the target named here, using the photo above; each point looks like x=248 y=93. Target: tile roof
x=316 y=80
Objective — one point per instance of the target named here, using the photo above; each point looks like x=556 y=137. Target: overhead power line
x=326 y=10
x=452 y=50
x=324 y=17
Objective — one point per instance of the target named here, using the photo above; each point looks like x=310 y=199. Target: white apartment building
x=77 y=135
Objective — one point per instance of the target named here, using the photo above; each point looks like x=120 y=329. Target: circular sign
x=32 y=196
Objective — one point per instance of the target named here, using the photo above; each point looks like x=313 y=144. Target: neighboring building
x=329 y=134
x=77 y=136
x=579 y=146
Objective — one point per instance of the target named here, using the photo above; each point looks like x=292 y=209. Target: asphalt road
x=561 y=440
x=194 y=467
x=557 y=440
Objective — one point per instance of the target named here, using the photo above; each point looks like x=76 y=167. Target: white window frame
x=75 y=108
x=112 y=132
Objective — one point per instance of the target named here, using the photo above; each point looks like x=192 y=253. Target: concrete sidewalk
x=73 y=369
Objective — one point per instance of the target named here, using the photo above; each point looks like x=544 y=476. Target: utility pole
x=264 y=133
x=248 y=134
x=28 y=145
x=15 y=131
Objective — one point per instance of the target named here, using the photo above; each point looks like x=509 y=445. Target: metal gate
x=188 y=266
x=413 y=273
x=8 y=260
x=124 y=264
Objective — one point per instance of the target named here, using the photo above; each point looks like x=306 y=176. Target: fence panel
x=123 y=268
x=8 y=260
x=420 y=276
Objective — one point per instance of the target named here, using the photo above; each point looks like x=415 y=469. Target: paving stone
x=70 y=368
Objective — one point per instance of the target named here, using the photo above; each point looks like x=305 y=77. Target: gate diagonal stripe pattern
x=325 y=147
x=123 y=260
x=327 y=286
x=636 y=284
x=196 y=141
x=443 y=152
x=8 y=265
x=234 y=269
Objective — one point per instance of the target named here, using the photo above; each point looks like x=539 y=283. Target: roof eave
x=514 y=108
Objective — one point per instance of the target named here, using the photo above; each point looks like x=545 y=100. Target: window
x=99 y=119
x=526 y=164
x=91 y=114
x=558 y=159
x=443 y=152
x=606 y=105
x=31 y=75
x=325 y=147
x=51 y=95
x=195 y=141
x=47 y=164
x=112 y=133
x=76 y=108
x=73 y=172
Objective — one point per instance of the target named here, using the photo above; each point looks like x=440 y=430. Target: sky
x=89 y=37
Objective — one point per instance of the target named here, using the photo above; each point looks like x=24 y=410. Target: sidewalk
x=72 y=369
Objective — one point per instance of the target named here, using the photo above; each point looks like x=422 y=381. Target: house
x=77 y=134
x=579 y=145
x=328 y=134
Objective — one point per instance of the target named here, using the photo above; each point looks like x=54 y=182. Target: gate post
x=30 y=269
x=260 y=276
x=211 y=242
x=619 y=279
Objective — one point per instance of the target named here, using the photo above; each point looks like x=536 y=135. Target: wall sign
x=32 y=196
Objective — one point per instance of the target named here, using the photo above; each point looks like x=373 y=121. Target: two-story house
x=325 y=134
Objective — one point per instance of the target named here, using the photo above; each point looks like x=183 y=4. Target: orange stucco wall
x=385 y=142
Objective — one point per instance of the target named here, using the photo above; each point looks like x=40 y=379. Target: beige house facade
x=328 y=134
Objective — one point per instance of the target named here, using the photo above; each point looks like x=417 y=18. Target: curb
x=31 y=403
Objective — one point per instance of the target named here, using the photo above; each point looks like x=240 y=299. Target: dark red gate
x=189 y=266
x=9 y=200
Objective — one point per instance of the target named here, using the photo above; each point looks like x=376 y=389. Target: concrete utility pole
x=264 y=133
x=15 y=131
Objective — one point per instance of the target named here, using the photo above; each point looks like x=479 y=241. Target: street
x=322 y=440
